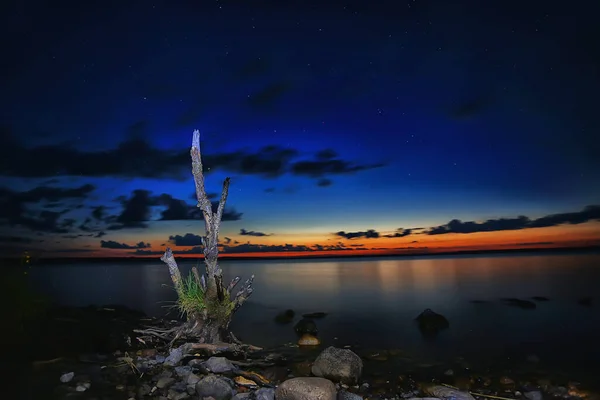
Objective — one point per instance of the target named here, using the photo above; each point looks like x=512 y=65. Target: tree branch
x=243 y=294
x=168 y=259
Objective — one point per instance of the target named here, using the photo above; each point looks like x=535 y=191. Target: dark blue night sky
x=345 y=126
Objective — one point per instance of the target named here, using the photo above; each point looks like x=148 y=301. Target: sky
x=346 y=127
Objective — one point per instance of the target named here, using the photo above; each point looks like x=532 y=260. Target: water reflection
x=373 y=301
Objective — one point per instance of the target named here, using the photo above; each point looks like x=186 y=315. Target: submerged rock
x=306 y=325
x=315 y=315
x=431 y=323
x=525 y=304
x=339 y=365
x=308 y=388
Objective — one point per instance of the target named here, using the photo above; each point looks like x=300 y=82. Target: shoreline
x=224 y=257
x=92 y=342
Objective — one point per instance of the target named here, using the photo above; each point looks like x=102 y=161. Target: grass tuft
x=191 y=297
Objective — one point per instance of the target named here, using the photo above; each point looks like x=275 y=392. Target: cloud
x=15 y=239
x=321 y=167
x=189 y=239
x=136 y=158
x=589 y=213
x=137 y=209
x=370 y=234
x=179 y=210
x=244 y=232
x=324 y=182
x=400 y=233
x=269 y=96
x=111 y=244
x=17 y=208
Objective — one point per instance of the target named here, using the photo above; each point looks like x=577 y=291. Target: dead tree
x=213 y=305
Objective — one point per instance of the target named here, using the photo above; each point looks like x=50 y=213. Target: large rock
x=215 y=386
x=218 y=365
x=306 y=388
x=339 y=365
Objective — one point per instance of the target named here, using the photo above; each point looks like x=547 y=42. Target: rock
x=192 y=379
x=264 y=394
x=164 y=382
x=343 y=395
x=431 y=323
x=306 y=388
x=505 y=380
x=174 y=357
x=65 y=378
x=183 y=371
x=306 y=325
x=339 y=365
x=215 y=386
x=524 y=304
x=533 y=395
x=308 y=340
x=285 y=317
x=242 y=396
x=444 y=392
x=218 y=365
x=81 y=388
x=315 y=315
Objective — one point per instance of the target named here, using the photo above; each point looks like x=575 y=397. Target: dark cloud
x=589 y=213
x=471 y=108
x=15 y=239
x=99 y=212
x=189 y=239
x=110 y=244
x=16 y=208
x=324 y=182
x=270 y=95
x=370 y=234
x=137 y=209
x=400 y=233
x=244 y=232
x=179 y=210
x=321 y=167
x=136 y=158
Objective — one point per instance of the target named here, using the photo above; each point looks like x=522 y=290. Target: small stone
x=449 y=372
x=264 y=394
x=120 y=387
x=175 y=357
x=240 y=380
x=309 y=388
x=164 y=382
x=81 y=388
x=533 y=395
x=505 y=380
x=218 y=365
x=308 y=340
x=192 y=379
x=64 y=378
x=344 y=395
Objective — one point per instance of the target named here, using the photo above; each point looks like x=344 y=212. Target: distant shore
x=279 y=256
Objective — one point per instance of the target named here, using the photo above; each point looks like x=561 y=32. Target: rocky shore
x=121 y=365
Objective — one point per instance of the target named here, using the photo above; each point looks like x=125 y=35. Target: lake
x=372 y=302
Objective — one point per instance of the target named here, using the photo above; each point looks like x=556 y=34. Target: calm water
x=372 y=302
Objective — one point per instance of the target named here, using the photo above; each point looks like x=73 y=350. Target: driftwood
x=208 y=325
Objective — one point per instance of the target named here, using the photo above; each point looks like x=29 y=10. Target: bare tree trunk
x=212 y=323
